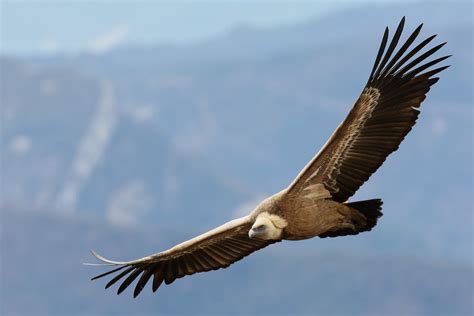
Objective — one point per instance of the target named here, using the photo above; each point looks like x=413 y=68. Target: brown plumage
x=315 y=202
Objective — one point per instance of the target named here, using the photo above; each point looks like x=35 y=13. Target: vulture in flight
x=316 y=202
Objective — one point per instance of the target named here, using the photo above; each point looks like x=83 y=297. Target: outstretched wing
x=385 y=112
x=213 y=250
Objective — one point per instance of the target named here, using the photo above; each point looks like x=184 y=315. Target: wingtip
x=401 y=25
x=121 y=289
x=96 y=277
x=419 y=27
x=445 y=57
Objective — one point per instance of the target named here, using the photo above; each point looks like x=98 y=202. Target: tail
x=371 y=211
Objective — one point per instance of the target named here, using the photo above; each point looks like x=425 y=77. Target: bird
x=316 y=203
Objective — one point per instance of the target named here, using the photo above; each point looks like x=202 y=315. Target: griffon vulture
x=315 y=203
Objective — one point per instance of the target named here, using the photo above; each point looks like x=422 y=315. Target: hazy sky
x=32 y=27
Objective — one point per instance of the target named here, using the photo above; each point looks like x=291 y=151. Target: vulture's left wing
x=218 y=248
x=385 y=112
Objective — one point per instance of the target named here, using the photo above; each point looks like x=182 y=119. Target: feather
x=129 y=280
x=107 y=273
x=118 y=277
x=401 y=51
x=142 y=281
x=157 y=278
x=391 y=48
x=380 y=53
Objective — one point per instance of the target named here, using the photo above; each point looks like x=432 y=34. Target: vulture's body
x=315 y=203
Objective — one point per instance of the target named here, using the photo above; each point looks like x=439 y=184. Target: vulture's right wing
x=213 y=250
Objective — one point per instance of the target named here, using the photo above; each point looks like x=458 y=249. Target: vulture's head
x=267 y=226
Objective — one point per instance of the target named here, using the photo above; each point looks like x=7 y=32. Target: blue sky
x=39 y=27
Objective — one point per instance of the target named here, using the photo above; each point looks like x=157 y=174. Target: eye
x=260 y=227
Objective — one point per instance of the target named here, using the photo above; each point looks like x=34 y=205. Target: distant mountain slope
x=68 y=147
x=45 y=113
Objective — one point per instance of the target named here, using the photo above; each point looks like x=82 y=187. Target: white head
x=267 y=226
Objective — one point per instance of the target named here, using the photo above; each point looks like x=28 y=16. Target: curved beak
x=252 y=233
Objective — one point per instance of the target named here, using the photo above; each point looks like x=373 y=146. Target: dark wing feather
x=383 y=115
x=213 y=250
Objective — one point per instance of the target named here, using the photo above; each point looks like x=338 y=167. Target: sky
x=46 y=27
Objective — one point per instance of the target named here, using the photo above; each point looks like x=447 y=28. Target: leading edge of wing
x=188 y=243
